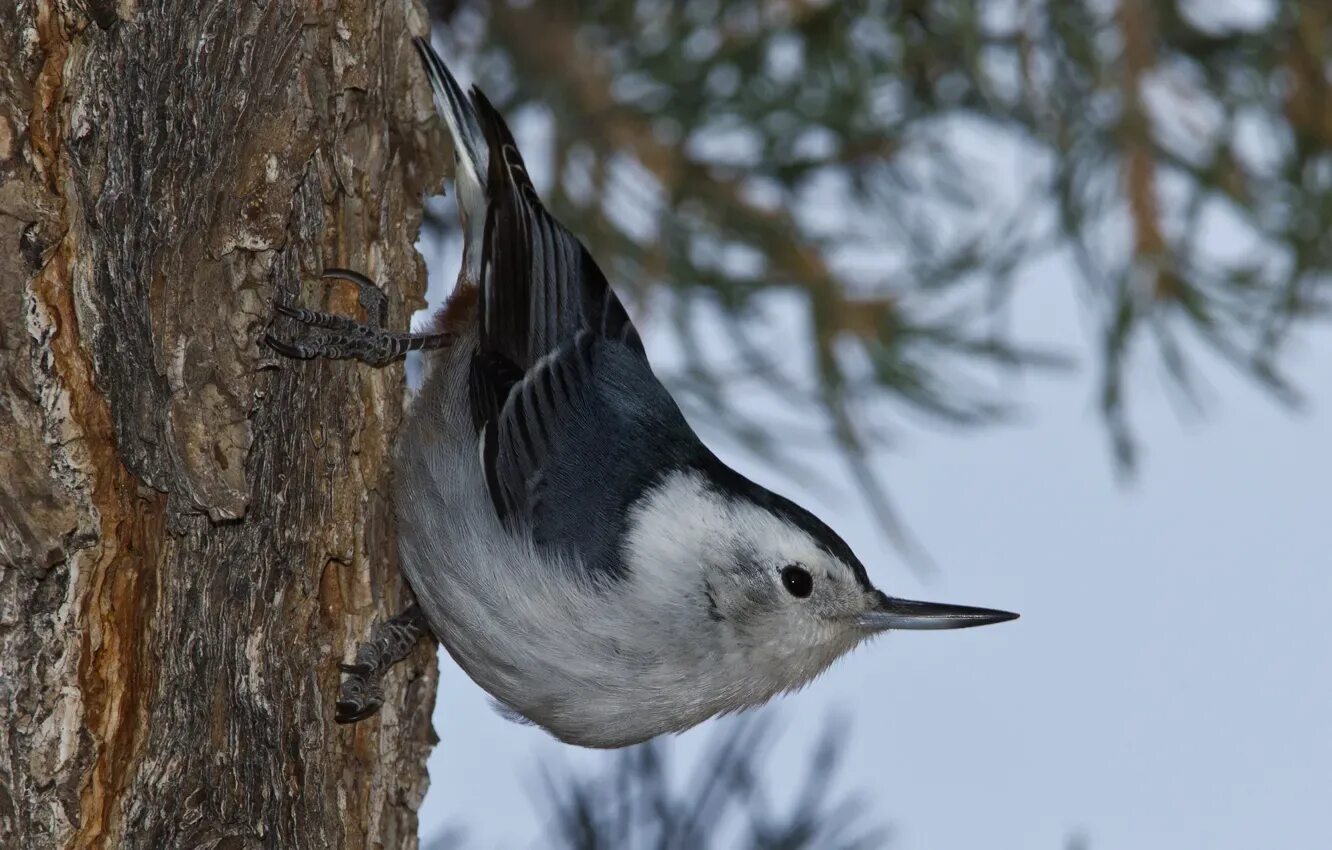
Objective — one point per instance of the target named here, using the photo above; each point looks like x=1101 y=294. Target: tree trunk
x=194 y=531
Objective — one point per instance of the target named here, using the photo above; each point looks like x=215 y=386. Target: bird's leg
x=338 y=337
x=361 y=694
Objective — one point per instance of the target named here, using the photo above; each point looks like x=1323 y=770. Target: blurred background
x=1028 y=300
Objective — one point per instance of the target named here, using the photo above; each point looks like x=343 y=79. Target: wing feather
x=541 y=285
x=560 y=380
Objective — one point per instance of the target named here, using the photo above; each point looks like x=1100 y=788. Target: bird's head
x=784 y=587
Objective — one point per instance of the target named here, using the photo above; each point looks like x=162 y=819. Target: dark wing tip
x=441 y=78
x=524 y=248
x=460 y=112
x=507 y=168
x=430 y=61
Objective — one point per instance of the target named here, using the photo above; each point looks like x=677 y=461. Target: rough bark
x=194 y=531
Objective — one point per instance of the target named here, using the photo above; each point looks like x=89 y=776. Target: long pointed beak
x=891 y=613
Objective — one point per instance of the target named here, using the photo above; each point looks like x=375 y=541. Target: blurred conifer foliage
x=845 y=163
x=638 y=801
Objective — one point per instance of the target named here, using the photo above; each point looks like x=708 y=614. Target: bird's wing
x=579 y=439
x=573 y=424
x=539 y=285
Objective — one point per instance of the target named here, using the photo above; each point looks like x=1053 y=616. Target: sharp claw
x=371 y=295
x=286 y=349
x=287 y=311
x=348 y=711
x=356 y=669
x=348 y=275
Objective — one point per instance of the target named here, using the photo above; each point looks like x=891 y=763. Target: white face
x=789 y=603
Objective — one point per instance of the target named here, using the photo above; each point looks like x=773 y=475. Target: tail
x=470 y=153
x=538 y=285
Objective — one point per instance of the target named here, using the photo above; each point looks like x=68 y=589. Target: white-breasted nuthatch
x=570 y=540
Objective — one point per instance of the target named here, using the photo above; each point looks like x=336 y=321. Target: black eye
x=799 y=583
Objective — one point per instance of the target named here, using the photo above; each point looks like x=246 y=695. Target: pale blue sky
x=1169 y=684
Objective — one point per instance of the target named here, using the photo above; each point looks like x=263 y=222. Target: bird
x=569 y=539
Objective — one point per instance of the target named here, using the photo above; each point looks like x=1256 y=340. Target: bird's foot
x=362 y=693
x=340 y=338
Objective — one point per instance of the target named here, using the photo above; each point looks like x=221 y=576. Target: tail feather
x=469 y=143
x=538 y=285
